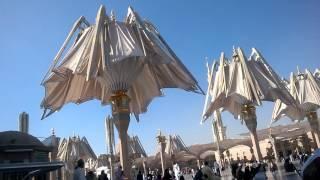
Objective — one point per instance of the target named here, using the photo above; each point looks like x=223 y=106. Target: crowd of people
x=240 y=170
x=79 y=173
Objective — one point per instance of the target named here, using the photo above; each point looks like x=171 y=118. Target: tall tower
x=24 y=122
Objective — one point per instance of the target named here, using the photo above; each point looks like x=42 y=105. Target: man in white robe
x=176 y=170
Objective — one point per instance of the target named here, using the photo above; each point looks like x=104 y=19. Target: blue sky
x=31 y=33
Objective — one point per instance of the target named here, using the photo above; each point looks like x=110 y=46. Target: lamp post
x=162 y=143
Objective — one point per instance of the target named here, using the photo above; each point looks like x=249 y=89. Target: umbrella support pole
x=274 y=148
x=163 y=163
x=314 y=124
x=199 y=163
x=162 y=142
x=255 y=144
x=144 y=168
x=283 y=149
x=111 y=167
x=124 y=160
x=121 y=116
x=216 y=136
x=250 y=119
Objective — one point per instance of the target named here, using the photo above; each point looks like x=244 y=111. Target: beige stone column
x=314 y=124
x=228 y=155
x=163 y=161
x=283 y=149
x=111 y=160
x=199 y=163
x=300 y=144
x=250 y=119
x=144 y=168
x=121 y=116
x=60 y=177
x=274 y=147
x=162 y=143
x=53 y=155
x=217 y=138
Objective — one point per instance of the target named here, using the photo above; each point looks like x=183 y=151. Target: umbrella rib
x=65 y=43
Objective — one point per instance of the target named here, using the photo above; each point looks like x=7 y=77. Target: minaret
x=24 y=122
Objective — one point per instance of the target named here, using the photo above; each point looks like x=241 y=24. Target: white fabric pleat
x=245 y=81
x=110 y=56
x=305 y=89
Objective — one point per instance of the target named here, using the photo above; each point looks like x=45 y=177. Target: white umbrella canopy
x=242 y=84
x=134 y=147
x=175 y=145
x=137 y=147
x=270 y=85
x=244 y=81
x=103 y=160
x=305 y=89
x=111 y=56
x=75 y=148
x=72 y=149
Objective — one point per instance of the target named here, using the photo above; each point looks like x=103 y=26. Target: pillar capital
x=121 y=115
x=120 y=102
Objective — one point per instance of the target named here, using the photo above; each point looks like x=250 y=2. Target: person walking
x=198 y=175
x=176 y=170
x=206 y=170
x=79 y=173
x=166 y=175
x=90 y=176
x=103 y=176
x=119 y=173
x=139 y=176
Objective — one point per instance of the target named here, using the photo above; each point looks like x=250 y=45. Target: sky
x=287 y=33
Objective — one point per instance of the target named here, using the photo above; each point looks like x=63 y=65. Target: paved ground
x=279 y=175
